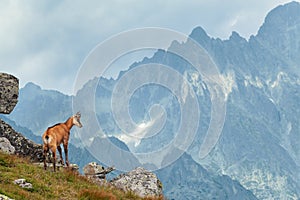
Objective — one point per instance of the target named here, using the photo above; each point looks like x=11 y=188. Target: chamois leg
x=66 y=154
x=53 y=149
x=46 y=149
x=60 y=154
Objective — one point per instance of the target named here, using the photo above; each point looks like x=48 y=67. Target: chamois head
x=76 y=120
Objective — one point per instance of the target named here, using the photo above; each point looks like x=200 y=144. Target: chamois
x=57 y=134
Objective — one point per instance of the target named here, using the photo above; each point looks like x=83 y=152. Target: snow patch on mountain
x=256 y=82
x=273 y=185
x=226 y=82
x=144 y=129
x=194 y=79
x=282 y=77
x=229 y=83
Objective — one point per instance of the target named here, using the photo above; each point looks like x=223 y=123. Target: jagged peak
x=31 y=85
x=34 y=89
x=199 y=33
x=285 y=12
x=281 y=18
x=235 y=36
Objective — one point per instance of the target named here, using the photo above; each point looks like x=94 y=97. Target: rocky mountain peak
x=200 y=35
x=235 y=36
x=285 y=15
x=32 y=86
x=281 y=28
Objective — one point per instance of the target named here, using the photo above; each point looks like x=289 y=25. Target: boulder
x=140 y=181
x=9 y=92
x=5 y=146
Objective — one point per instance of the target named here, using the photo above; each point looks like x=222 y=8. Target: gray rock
x=139 y=181
x=5 y=146
x=19 y=181
x=22 y=183
x=9 y=92
x=3 y=197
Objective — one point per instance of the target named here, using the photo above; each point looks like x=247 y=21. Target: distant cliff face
x=259 y=145
x=53 y=107
x=9 y=92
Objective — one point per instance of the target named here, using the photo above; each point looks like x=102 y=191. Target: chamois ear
x=78 y=114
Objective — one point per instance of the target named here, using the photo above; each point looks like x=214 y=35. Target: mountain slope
x=186 y=179
x=260 y=140
x=259 y=145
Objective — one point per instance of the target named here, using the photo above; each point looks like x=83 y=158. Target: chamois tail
x=47 y=139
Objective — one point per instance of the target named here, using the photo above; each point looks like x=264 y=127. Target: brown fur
x=56 y=135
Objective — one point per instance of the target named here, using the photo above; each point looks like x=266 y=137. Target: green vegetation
x=63 y=184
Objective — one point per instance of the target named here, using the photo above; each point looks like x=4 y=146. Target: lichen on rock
x=9 y=92
x=5 y=146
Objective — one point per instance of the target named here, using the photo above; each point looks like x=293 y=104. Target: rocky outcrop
x=139 y=181
x=96 y=172
x=9 y=92
x=22 y=145
x=5 y=146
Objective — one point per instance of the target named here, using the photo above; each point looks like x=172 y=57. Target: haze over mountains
x=258 y=153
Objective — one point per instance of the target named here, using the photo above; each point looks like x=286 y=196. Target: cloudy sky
x=46 y=42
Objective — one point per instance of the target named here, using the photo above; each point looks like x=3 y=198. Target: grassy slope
x=49 y=185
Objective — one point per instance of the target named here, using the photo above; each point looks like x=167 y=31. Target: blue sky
x=45 y=42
